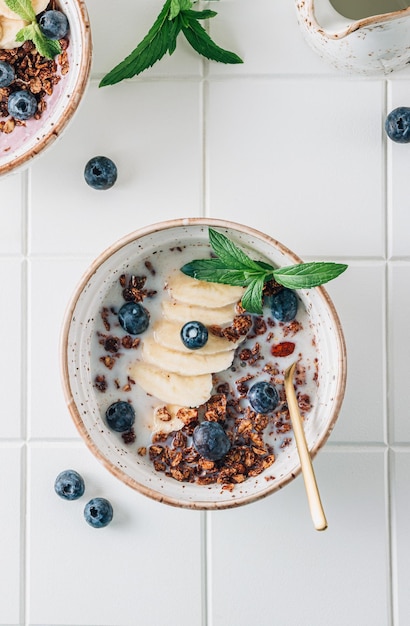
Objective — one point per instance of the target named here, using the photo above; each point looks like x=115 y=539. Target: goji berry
x=283 y=349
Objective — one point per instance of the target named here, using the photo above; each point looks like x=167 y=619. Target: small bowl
x=24 y=143
x=78 y=344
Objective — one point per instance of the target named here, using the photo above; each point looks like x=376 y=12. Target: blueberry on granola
x=100 y=173
x=194 y=335
x=133 y=318
x=53 y=24
x=263 y=397
x=69 y=485
x=120 y=416
x=284 y=305
x=22 y=104
x=211 y=441
x=7 y=74
x=98 y=512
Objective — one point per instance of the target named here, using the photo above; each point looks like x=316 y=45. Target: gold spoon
x=315 y=504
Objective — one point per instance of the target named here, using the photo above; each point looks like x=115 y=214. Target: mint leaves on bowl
x=48 y=48
x=232 y=266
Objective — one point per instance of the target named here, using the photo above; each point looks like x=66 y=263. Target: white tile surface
x=11 y=231
x=359 y=297
x=141 y=568
x=399 y=158
x=271 y=551
x=399 y=309
x=11 y=535
x=285 y=144
x=12 y=362
x=145 y=142
x=401 y=544
x=52 y=281
x=278 y=149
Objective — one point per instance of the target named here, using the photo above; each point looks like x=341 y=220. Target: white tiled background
x=289 y=146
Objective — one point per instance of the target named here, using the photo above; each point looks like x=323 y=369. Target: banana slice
x=8 y=31
x=190 y=391
x=210 y=295
x=165 y=426
x=183 y=363
x=168 y=334
x=180 y=312
x=38 y=6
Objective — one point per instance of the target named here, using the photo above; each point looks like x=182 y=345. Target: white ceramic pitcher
x=353 y=37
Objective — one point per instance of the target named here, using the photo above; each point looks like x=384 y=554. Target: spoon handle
x=315 y=504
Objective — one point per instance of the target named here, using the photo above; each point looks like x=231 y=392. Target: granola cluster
x=35 y=73
x=249 y=455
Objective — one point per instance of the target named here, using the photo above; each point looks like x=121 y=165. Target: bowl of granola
x=45 y=59
x=173 y=351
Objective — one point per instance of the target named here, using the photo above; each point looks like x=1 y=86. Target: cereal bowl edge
x=108 y=448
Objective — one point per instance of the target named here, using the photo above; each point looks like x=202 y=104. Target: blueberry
x=22 y=104
x=194 y=335
x=133 y=318
x=284 y=305
x=100 y=173
x=98 y=512
x=69 y=485
x=397 y=125
x=263 y=397
x=120 y=416
x=53 y=24
x=211 y=441
x=7 y=74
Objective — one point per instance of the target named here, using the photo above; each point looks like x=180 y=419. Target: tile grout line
x=25 y=194
x=386 y=366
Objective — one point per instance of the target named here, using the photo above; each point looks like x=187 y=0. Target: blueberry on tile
x=284 y=305
x=98 y=512
x=69 y=485
x=194 y=335
x=100 y=173
x=53 y=24
x=397 y=125
x=7 y=74
x=22 y=104
x=120 y=416
x=134 y=318
x=211 y=441
x=263 y=397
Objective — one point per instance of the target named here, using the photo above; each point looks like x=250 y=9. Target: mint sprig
x=232 y=266
x=175 y=17
x=46 y=47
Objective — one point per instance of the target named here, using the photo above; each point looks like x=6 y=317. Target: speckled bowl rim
x=76 y=416
x=77 y=92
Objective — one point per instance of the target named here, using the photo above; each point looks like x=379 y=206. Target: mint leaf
x=201 y=15
x=48 y=48
x=160 y=38
x=215 y=271
x=199 y=39
x=228 y=252
x=252 y=298
x=177 y=6
x=233 y=267
x=173 y=32
x=306 y=275
x=23 y=8
x=176 y=15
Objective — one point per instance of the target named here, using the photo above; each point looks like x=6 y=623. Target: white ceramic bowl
x=19 y=148
x=137 y=471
